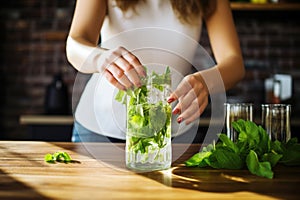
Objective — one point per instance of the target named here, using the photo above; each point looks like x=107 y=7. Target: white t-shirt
x=156 y=36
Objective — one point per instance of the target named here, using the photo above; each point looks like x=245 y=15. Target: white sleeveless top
x=156 y=36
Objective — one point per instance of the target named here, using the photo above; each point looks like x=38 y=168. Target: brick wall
x=270 y=42
x=33 y=50
x=33 y=46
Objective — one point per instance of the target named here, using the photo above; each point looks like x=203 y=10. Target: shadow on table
x=228 y=181
x=10 y=188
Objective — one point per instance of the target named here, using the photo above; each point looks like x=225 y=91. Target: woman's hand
x=192 y=95
x=122 y=68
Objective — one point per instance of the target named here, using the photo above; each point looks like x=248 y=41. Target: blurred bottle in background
x=56 y=98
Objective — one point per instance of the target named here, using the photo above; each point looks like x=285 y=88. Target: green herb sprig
x=147 y=123
x=58 y=157
x=253 y=150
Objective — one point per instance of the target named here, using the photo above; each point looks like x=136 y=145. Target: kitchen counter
x=52 y=128
x=25 y=175
x=58 y=128
x=69 y=119
x=46 y=119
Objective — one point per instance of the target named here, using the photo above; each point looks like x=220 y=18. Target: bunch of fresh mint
x=148 y=123
x=253 y=150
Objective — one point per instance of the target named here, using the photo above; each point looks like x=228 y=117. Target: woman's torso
x=156 y=36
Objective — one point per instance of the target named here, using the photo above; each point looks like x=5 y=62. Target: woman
x=123 y=68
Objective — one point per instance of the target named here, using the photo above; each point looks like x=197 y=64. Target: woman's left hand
x=192 y=95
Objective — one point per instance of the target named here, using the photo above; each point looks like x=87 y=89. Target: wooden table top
x=25 y=175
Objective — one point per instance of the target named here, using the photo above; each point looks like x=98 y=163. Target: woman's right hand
x=122 y=68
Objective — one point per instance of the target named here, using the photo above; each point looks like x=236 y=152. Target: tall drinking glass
x=148 y=137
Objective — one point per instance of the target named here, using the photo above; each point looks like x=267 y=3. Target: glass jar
x=148 y=137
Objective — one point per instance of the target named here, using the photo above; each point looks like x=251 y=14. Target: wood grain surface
x=98 y=172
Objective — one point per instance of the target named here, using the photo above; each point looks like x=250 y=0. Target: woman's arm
x=87 y=21
x=225 y=44
x=120 y=67
x=194 y=90
x=84 y=33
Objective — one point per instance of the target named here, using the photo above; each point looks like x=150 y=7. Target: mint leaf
x=158 y=116
x=136 y=121
x=272 y=158
x=66 y=156
x=277 y=147
x=120 y=96
x=48 y=158
x=264 y=144
x=248 y=132
x=252 y=132
x=243 y=137
x=227 y=142
x=198 y=159
x=57 y=156
x=209 y=147
x=225 y=158
x=239 y=125
x=258 y=168
x=291 y=154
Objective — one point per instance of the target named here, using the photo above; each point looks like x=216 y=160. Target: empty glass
x=233 y=112
x=276 y=121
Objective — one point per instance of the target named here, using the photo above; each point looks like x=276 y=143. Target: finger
x=129 y=71
x=183 y=88
x=119 y=75
x=193 y=111
x=135 y=63
x=187 y=99
x=132 y=59
x=133 y=77
x=111 y=57
x=177 y=109
x=113 y=80
x=184 y=102
x=193 y=108
x=196 y=115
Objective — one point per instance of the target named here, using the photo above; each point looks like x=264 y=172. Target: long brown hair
x=186 y=10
